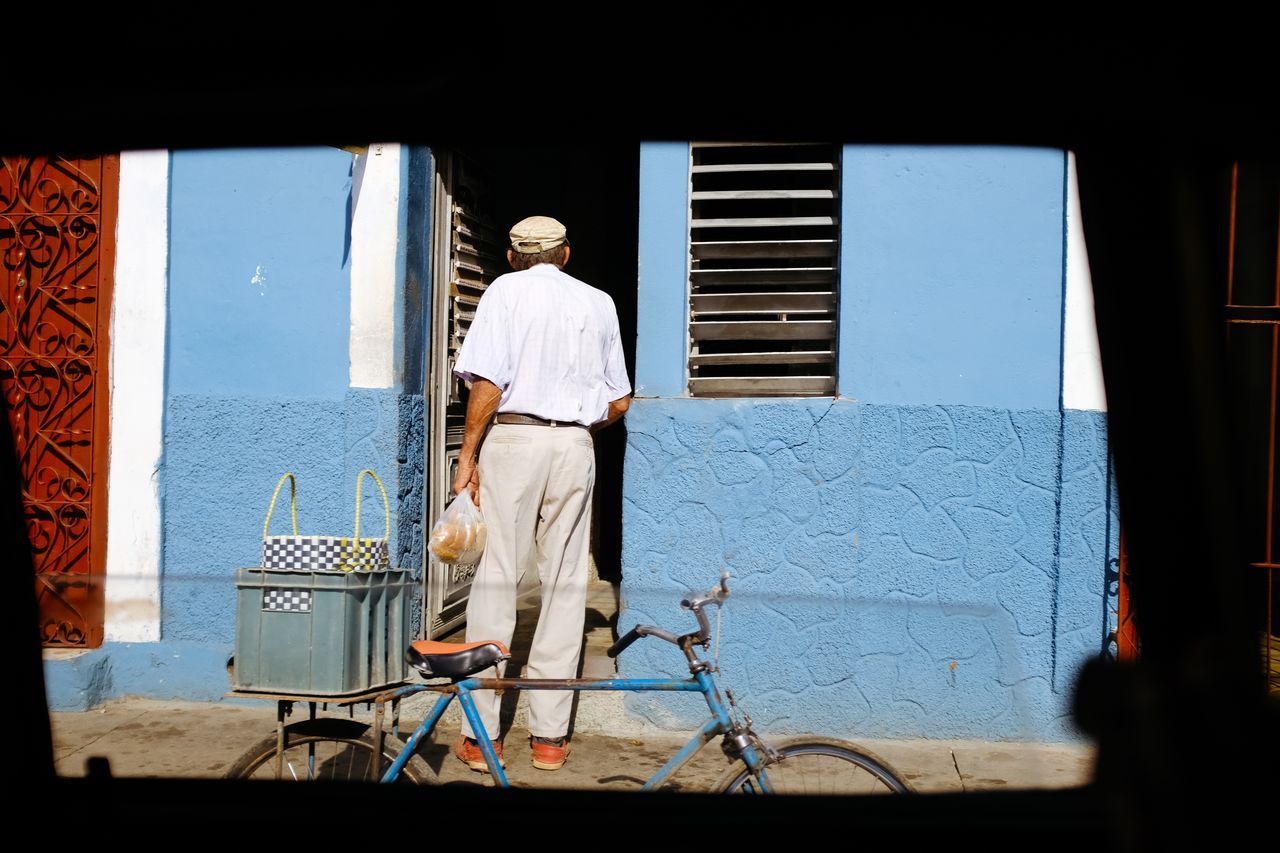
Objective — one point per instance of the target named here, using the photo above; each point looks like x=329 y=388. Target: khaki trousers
x=535 y=495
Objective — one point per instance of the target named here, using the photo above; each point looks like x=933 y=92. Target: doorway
x=479 y=191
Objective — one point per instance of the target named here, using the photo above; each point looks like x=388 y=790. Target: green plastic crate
x=321 y=633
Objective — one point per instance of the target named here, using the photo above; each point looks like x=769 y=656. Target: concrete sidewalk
x=147 y=737
x=165 y=738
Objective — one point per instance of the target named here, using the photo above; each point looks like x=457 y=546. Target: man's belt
x=531 y=420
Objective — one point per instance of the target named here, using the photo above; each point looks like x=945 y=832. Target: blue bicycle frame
x=701 y=682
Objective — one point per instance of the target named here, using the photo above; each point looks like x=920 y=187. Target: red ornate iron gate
x=1252 y=314
x=57 y=256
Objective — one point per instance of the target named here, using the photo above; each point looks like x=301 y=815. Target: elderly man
x=544 y=359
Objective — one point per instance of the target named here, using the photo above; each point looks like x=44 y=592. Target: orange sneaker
x=468 y=752
x=549 y=753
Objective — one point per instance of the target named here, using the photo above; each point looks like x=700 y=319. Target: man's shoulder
x=509 y=282
x=502 y=281
x=593 y=291
x=504 y=288
x=516 y=278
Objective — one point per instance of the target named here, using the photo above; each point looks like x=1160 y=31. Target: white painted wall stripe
x=374 y=236
x=1082 y=386
x=137 y=398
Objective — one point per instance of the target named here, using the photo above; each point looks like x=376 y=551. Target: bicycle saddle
x=450 y=660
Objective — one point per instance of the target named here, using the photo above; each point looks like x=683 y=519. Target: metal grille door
x=468 y=254
x=57 y=226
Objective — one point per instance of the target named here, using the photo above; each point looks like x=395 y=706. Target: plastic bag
x=458 y=536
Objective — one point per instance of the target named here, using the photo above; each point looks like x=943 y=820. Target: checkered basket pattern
x=325 y=553
x=301 y=553
x=286 y=600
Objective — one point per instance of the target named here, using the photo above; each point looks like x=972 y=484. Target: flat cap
x=536 y=234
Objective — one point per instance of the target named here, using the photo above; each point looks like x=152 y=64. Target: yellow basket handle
x=385 y=505
x=293 y=504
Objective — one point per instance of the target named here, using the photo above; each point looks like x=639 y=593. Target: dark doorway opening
x=594 y=190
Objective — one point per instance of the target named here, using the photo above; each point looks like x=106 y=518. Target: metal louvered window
x=763 y=262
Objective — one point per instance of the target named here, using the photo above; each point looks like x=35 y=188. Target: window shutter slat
x=746 y=195
x=732 y=303
x=761 y=330
x=764 y=167
x=765 y=222
x=764 y=386
x=764 y=249
x=791 y=357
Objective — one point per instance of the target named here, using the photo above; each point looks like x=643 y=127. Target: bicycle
x=325 y=748
x=803 y=764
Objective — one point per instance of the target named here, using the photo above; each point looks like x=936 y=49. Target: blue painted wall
x=223 y=458
x=951 y=284
x=930 y=560
x=257 y=385
x=167 y=670
x=413 y=315
x=951 y=275
x=663 y=298
x=1088 y=542
x=896 y=569
x=282 y=215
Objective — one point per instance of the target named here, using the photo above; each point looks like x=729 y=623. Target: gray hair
x=556 y=256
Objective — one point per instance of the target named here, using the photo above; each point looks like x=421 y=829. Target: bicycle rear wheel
x=327 y=750
x=817 y=766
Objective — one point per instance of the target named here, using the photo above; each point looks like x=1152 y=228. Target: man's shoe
x=549 y=753
x=468 y=752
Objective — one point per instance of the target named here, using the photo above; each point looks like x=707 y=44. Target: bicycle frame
x=701 y=682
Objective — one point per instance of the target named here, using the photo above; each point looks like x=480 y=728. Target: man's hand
x=468 y=477
x=483 y=402
x=617 y=408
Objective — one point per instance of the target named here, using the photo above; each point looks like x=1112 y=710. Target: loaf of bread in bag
x=453 y=541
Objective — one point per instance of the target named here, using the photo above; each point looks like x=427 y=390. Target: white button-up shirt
x=550 y=342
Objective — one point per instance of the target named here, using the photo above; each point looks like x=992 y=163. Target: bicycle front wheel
x=816 y=766
x=327 y=750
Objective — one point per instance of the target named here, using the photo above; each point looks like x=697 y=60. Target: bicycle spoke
x=818 y=766
x=322 y=751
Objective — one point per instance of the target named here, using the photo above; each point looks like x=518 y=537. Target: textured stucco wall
x=256 y=384
x=1088 y=543
x=410 y=495
x=223 y=458
x=230 y=432
x=898 y=571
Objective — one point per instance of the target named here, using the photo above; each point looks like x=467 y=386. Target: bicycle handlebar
x=624 y=641
x=636 y=633
x=716 y=596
